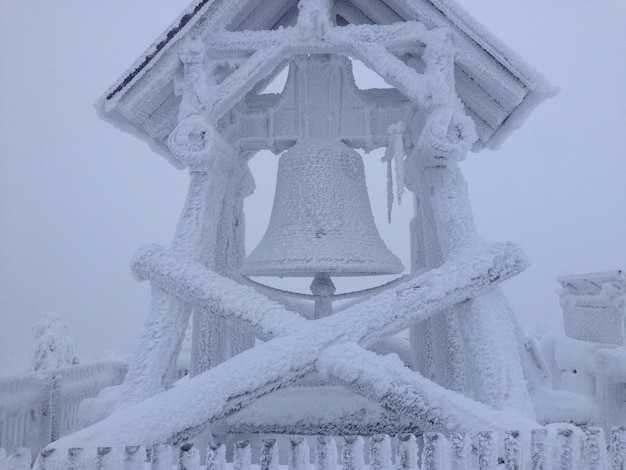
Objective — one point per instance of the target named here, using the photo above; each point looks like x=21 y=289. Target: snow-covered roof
x=591 y=283
x=496 y=86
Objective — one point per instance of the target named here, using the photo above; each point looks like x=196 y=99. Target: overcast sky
x=78 y=197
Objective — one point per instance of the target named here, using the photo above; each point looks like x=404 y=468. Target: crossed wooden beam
x=334 y=346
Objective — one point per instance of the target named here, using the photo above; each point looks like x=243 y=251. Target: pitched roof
x=496 y=86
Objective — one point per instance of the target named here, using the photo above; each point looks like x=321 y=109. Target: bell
x=321 y=221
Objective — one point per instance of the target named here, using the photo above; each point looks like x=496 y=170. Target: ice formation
x=197 y=94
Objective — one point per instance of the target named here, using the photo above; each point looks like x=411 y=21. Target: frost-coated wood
x=594 y=449
x=352 y=457
x=407 y=453
x=215 y=456
x=241 y=456
x=487 y=452
x=461 y=448
x=380 y=452
x=188 y=458
x=134 y=457
x=618 y=444
x=435 y=454
x=539 y=449
x=298 y=453
x=269 y=454
x=512 y=450
x=325 y=453
x=161 y=457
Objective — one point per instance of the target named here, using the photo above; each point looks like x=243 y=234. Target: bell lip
x=383 y=271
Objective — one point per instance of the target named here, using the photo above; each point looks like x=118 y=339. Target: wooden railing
x=39 y=407
x=559 y=447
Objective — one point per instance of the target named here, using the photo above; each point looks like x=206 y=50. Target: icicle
x=394 y=153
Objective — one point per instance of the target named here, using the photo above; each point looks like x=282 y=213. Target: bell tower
x=197 y=96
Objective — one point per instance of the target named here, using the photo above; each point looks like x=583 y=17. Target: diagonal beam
x=385 y=314
x=216 y=393
x=388 y=382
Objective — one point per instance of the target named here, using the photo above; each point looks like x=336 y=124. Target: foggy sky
x=78 y=197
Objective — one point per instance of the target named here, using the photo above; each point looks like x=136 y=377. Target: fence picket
x=107 y=458
x=269 y=455
x=406 y=452
x=19 y=459
x=241 y=457
x=512 y=450
x=435 y=455
x=352 y=456
x=460 y=449
x=161 y=457
x=47 y=459
x=618 y=445
x=594 y=449
x=538 y=449
x=380 y=452
x=134 y=457
x=325 y=453
x=215 y=456
x=298 y=454
x=76 y=458
x=188 y=458
x=567 y=450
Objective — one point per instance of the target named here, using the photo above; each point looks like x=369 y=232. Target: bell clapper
x=323 y=289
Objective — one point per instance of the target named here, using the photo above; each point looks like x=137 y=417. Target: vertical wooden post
x=512 y=450
x=594 y=449
x=435 y=454
x=325 y=453
x=134 y=457
x=618 y=448
x=567 y=449
x=107 y=459
x=487 y=451
x=269 y=454
x=352 y=457
x=406 y=452
x=241 y=457
x=461 y=448
x=161 y=458
x=298 y=453
x=76 y=458
x=215 y=456
x=47 y=459
x=380 y=452
x=188 y=457
x=539 y=449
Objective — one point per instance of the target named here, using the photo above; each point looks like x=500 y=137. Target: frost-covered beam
x=387 y=381
x=244 y=378
x=387 y=313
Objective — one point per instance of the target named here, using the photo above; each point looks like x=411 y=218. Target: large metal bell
x=321 y=220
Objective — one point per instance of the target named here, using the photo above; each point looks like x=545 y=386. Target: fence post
x=161 y=458
x=269 y=454
x=215 y=456
x=107 y=459
x=380 y=452
x=325 y=453
x=567 y=449
x=512 y=450
x=487 y=454
x=241 y=457
x=134 y=457
x=47 y=459
x=188 y=458
x=461 y=448
x=538 y=449
x=76 y=458
x=298 y=453
x=436 y=452
x=352 y=457
x=594 y=449
x=19 y=459
x=618 y=447
x=406 y=452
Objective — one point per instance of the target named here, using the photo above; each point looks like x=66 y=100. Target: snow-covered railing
x=562 y=447
x=39 y=407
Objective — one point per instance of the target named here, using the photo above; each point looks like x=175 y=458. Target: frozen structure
x=196 y=97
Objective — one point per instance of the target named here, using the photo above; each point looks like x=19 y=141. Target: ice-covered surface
x=496 y=86
x=188 y=408
x=54 y=346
